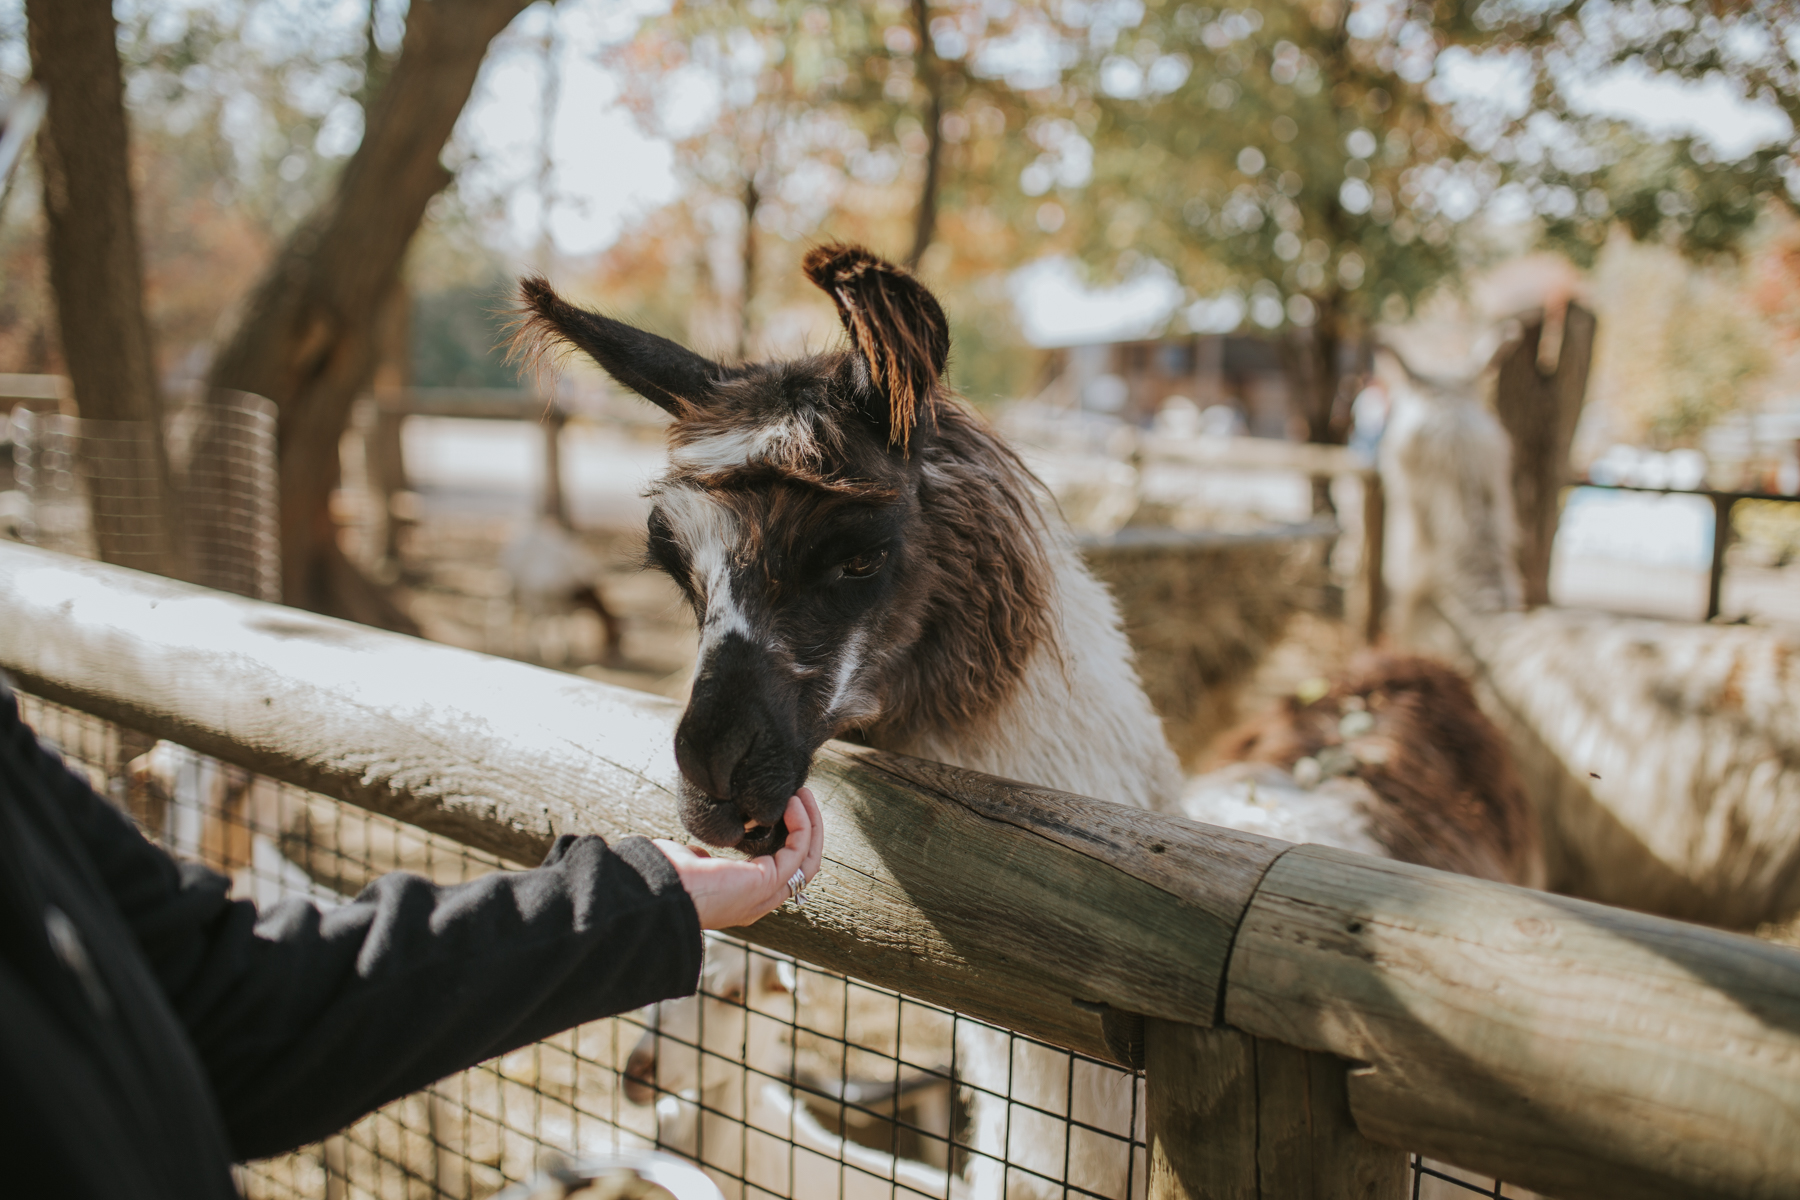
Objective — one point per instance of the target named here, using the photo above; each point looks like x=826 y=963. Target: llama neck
x=1021 y=669
x=1078 y=719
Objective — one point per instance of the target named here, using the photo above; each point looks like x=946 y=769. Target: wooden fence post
x=555 y=503
x=1370 y=602
x=1235 y=1117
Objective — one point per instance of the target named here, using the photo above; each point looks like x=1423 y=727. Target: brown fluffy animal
x=1438 y=783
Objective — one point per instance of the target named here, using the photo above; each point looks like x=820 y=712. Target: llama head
x=792 y=518
x=1446 y=465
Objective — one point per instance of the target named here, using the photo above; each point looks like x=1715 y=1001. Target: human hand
x=728 y=892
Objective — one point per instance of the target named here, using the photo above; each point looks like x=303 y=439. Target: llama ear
x=670 y=376
x=897 y=329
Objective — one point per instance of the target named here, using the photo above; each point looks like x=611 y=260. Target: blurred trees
x=802 y=121
x=1315 y=166
x=1285 y=156
x=307 y=339
x=96 y=269
x=1581 y=168
x=1685 y=346
x=798 y=119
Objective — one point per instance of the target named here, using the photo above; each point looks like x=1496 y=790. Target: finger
x=815 y=855
x=800 y=822
x=671 y=850
x=800 y=836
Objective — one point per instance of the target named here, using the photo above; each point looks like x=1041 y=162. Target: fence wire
x=782 y=1080
x=81 y=476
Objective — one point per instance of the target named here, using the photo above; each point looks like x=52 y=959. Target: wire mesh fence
x=88 y=482
x=782 y=1080
x=779 y=1078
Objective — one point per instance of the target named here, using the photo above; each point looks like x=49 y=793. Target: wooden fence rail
x=1575 y=1049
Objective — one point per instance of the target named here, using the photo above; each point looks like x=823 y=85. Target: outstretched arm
x=305 y=1018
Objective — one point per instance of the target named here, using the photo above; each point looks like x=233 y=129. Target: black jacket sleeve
x=306 y=1018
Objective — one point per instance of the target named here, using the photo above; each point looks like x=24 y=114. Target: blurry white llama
x=553 y=575
x=1663 y=756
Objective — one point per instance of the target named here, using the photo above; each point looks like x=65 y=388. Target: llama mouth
x=725 y=824
x=763 y=839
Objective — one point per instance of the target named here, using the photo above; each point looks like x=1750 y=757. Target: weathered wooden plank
x=1207 y=866
x=1235 y=1117
x=1571 y=1048
x=1308 y=1145
x=1200 y=1112
x=933 y=883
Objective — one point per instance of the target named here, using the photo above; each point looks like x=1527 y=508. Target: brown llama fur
x=1445 y=793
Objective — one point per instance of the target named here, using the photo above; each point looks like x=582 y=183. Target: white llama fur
x=709 y=535
x=1080 y=720
x=1261 y=798
x=1663 y=756
x=789 y=439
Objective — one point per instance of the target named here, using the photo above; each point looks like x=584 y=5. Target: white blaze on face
x=785 y=440
x=844 y=678
x=708 y=534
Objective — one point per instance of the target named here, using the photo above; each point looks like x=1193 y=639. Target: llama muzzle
x=740 y=751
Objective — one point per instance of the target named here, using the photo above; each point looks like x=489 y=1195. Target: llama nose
x=728 y=706
x=709 y=757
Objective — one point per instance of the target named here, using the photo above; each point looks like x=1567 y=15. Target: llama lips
x=764 y=839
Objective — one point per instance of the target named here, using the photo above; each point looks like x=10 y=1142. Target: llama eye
x=864 y=565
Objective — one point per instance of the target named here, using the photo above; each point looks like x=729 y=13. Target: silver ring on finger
x=796 y=886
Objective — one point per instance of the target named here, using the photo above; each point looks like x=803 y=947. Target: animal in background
x=1663 y=757
x=734 y=1058
x=553 y=575
x=1394 y=759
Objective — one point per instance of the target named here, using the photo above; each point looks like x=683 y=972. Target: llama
x=1395 y=759
x=865 y=558
x=1663 y=757
x=553 y=575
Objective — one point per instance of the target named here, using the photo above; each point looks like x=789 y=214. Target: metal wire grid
x=73 y=471
x=224 y=450
x=44 y=448
x=781 y=1079
x=786 y=1080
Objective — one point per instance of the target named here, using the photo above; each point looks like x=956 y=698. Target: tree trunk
x=96 y=271
x=925 y=218
x=1542 y=382
x=307 y=340
x=1320 y=392
x=385 y=455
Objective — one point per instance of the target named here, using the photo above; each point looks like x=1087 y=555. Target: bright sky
x=607 y=171
x=1057 y=309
